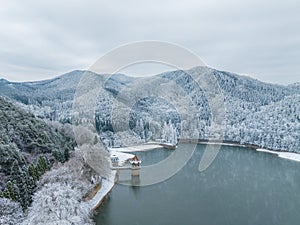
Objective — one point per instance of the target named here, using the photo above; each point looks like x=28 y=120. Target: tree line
x=22 y=181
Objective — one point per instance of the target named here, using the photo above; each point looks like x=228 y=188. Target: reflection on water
x=240 y=187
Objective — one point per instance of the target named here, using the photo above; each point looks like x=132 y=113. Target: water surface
x=242 y=186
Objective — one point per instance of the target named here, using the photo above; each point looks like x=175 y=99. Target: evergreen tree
x=20 y=176
x=48 y=163
x=24 y=192
x=15 y=174
x=6 y=193
x=66 y=154
x=16 y=191
x=58 y=155
x=41 y=166
x=30 y=183
x=55 y=153
x=13 y=191
x=24 y=198
x=32 y=172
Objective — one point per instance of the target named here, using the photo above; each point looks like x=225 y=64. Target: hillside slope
x=24 y=138
x=247 y=101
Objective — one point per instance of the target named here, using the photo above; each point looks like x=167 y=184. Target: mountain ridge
x=244 y=96
x=129 y=76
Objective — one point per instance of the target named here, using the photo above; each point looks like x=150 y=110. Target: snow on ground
x=221 y=143
x=123 y=157
x=137 y=148
x=285 y=155
x=107 y=185
x=59 y=197
x=290 y=156
x=10 y=212
x=266 y=150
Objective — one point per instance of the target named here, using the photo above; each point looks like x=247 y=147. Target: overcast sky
x=42 y=39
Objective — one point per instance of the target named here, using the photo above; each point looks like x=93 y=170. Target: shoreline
x=137 y=148
x=148 y=146
x=293 y=156
x=108 y=184
x=106 y=187
x=284 y=154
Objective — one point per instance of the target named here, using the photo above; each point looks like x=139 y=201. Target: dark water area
x=241 y=186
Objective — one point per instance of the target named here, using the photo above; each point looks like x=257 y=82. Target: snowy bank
x=285 y=155
x=290 y=156
x=106 y=187
x=267 y=151
x=137 y=148
x=221 y=143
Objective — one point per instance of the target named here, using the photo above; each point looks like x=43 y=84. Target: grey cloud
x=260 y=38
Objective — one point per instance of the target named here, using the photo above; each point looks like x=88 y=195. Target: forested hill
x=257 y=113
x=28 y=147
x=39 y=91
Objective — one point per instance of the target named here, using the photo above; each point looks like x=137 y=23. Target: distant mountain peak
x=2 y=80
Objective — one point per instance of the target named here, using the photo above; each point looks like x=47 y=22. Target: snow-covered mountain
x=257 y=113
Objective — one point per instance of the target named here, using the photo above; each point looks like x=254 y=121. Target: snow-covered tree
x=10 y=212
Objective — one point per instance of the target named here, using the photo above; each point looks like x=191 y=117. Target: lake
x=241 y=186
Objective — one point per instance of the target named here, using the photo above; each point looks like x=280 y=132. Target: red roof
x=135 y=158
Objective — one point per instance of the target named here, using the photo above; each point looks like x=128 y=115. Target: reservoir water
x=240 y=187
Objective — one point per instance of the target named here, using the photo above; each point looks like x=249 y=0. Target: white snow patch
x=137 y=148
x=285 y=155
x=123 y=157
x=221 y=143
x=290 y=156
x=266 y=150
